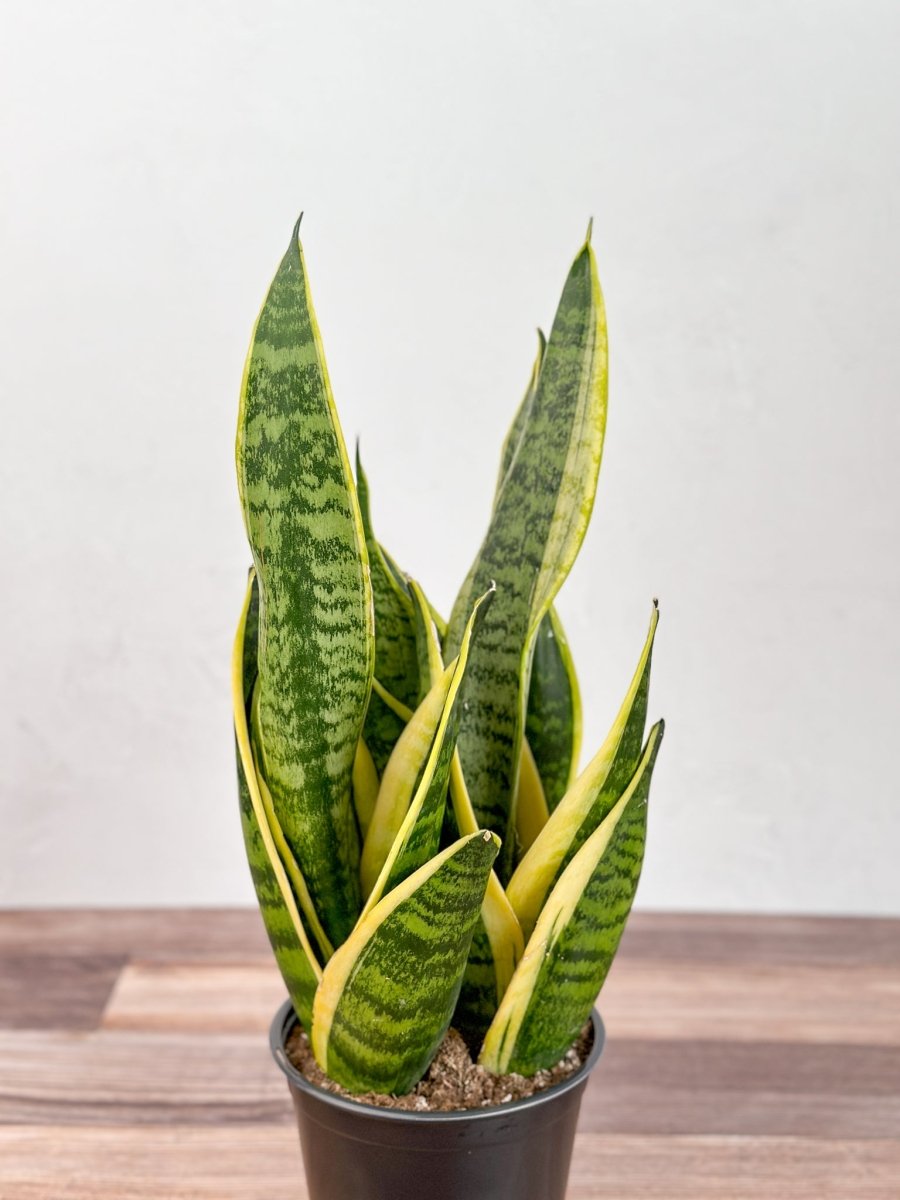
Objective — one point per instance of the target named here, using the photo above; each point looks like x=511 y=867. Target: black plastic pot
x=515 y=1151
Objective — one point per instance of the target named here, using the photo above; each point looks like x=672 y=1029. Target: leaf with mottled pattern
x=569 y=954
x=418 y=837
x=537 y=526
x=290 y=944
x=387 y=996
x=553 y=719
x=589 y=799
x=316 y=637
x=395 y=646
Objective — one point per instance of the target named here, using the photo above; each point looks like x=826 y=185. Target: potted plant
x=426 y=855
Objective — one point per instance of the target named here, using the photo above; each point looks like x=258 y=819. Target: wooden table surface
x=747 y=1057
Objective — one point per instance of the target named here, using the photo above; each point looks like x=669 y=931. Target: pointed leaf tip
x=296 y=233
x=590 y=230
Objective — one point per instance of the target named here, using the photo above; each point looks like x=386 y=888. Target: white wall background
x=741 y=165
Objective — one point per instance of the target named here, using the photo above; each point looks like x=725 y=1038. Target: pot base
x=515 y=1151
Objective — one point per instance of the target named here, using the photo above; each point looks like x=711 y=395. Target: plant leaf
x=365 y=786
x=531 y=803
x=401 y=775
x=316 y=636
x=418 y=838
x=308 y=913
x=395 y=646
x=428 y=642
x=387 y=995
x=537 y=526
x=497 y=944
x=553 y=721
x=588 y=800
x=293 y=952
x=569 y=954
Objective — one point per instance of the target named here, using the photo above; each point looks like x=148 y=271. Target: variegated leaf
x=387 y=995
x=316 y=636
x=365 y=786
x=553 y=720
x=287 y=935
x=497 y=943
x=569 y=954
x=418 y=837
x=537 y=526
x=395 y=648
x=588 y=800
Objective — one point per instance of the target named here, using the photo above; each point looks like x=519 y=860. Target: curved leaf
x=421 y=783
x=287 y=935
x=531 y=803
x=520 y=420
x=316 y=637
x=497 y=944
x=387 y=995
x=401 y=775
x=395 y=646
x=589 y=799
x=569 y=954
x=365 y=786
x=553 y=720
x=537 y=526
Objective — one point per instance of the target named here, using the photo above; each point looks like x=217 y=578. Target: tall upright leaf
x=287 y=935
x=531 y=802
x=553 y=719
x=395 y=645
x=569 y=954
x=497 y=943
x=315 y=643
x=537 y=526
x=387 y=995
x=589 y=799
x=418 y=837
x=401 y=777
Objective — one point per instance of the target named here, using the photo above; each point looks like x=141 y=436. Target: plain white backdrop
x=740 y=163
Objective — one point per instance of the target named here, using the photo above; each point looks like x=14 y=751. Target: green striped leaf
x=419 y=836
x=387 y=996
x=287 y=935
x=308 y=913
x=589 y=799
x=497 y=944
x=412 y=798
x=520 y=420
x=537 y=526
x=553 y=720
x=396 y=666
x=569 y=954
x=316 y=637
x=427 y=638
x=398 y=784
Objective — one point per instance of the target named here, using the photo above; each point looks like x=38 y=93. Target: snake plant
x=424 y=849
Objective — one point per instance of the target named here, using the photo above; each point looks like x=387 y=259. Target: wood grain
x=747 y=1057
x=263 y=1163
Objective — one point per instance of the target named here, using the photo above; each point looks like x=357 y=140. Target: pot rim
x=285 y=1019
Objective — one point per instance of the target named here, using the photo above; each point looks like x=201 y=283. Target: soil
x=452 y=1082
